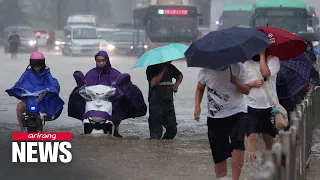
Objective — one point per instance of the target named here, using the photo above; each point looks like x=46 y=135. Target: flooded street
x=134 y=157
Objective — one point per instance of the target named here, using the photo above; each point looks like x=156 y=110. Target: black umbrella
x=229 y=46
x=308 y=36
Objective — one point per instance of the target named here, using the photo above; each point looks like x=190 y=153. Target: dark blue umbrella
x=225 y=47
x=293 y=75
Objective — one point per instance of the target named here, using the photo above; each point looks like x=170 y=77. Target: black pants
x=161 y=115
x=259 y=121
x=220 y=130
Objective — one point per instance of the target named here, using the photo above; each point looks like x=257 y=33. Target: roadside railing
x=289 y=158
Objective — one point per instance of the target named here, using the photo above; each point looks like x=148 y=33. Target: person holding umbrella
x=293 y=81
x=161 y=107
x=263 y=103
x=226 y=87
x=219 y=55
x=14 y=41
x=160 y=73
x=258 y=100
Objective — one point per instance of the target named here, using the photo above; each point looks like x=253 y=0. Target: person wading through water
x=161 y=107
x=226 y=119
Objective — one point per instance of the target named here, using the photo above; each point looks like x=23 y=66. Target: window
x=84 y=33
x=166 y=29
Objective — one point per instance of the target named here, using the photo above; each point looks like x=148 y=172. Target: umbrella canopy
x=293 y=76
x=161 y=55
x=308 y=36
x=225 y=47
x=284 y=44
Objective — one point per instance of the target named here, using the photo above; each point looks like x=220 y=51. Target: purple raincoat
x=127 y=103
x=106 y=76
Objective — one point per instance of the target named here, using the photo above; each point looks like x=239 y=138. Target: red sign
x=43 y=136
x=176 y=12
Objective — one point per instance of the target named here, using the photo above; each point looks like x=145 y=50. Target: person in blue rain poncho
x=37 y=77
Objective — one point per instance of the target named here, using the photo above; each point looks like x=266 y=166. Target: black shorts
x=219 y=132
x=259 y=121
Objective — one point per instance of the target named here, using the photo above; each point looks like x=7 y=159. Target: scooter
x=33 y=119
x=98 y=109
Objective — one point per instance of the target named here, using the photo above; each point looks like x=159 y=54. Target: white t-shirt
x=257 y=98
x=224 y=99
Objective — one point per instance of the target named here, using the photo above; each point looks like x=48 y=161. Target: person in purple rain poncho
x=128 y=101
x=103 y=74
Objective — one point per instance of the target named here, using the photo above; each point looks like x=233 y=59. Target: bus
x=288 y=15
x=235 y=15
x=165 y=24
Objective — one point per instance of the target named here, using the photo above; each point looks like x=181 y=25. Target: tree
x=11 y=13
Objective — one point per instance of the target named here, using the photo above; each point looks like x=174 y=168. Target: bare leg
x=237 y=163
x=21 y=107
x=251 y=147
x=268 y=141
x=221 y=169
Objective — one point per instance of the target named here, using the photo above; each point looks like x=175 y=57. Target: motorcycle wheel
x=87 y=129
x=38 y=124
x=32 y=129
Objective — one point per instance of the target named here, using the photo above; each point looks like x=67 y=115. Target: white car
x=42 y=36
x=105 y=36
x=80 y=40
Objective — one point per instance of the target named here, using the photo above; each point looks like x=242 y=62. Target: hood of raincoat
x=106 y=76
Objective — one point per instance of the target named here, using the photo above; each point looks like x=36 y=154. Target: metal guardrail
x=289 y=158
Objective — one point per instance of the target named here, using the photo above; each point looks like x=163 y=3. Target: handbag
x=281 y=118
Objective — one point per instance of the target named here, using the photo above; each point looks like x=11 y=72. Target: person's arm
x=199 y=94
x=178 y=76
x=240 y=82
x=179 y=79
x=255 y=84
x=198 y=98
x=264 y=68
x=153 y=78
x=243 y=88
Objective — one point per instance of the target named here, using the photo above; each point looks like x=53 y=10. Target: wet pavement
x=134 y=157
x=313 y=171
